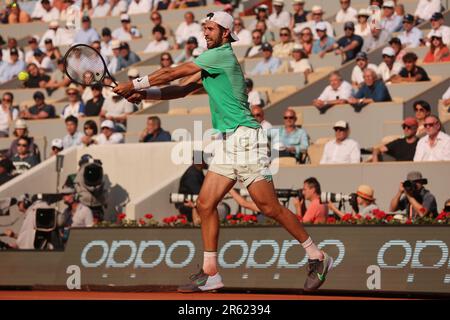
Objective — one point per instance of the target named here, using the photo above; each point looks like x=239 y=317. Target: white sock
x=210 y=262
x=311 y=249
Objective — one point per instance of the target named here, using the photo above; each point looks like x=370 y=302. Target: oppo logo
x=413 y=254
x=244 y=254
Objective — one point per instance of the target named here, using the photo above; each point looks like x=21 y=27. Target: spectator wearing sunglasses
x=258 y=113
x=402 y=149
x=342 y=149
x=284 y=48
x=244 y=35
x=305 y=38
x=422 y=109
x=350 y=44
x=255 y=48
x=324 y=43
x=23 y=160
x=411 y=37
x=346 y=13
x=279 y=18
x=8 y=113
x=438 y=24
x=438 y=52
x=435 y=146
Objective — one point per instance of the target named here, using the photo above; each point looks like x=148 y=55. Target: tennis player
x=243 y=154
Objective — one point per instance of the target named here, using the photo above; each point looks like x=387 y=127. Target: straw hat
x=365 y=192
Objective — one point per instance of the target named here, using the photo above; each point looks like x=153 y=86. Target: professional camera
x=182 y=198
x=326 y=197
x=289 y=193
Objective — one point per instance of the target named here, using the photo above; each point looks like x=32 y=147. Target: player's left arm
x=165 y=93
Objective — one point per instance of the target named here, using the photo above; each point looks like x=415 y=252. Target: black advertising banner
x=366 y=258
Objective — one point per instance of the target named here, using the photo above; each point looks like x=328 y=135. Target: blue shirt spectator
x=12 y=69
x=378 y=92
x=153 y=131
x=270 y=64
x=318 y=47
x=86 y=34
x=127 y=57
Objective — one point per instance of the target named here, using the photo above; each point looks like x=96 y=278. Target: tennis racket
x=85 y=66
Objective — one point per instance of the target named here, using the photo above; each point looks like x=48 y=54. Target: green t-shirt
x=223 y=80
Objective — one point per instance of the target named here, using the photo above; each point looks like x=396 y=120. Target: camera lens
x=93 y=175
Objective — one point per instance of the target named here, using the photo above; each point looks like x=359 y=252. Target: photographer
x=90 y=186
x=412 y=196
x=76 y=214
x=316 y=212
x=364 y=200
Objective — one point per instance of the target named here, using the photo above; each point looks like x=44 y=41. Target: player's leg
x=263 y=194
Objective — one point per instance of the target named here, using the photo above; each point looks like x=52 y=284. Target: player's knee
x=204 y=207
x=271 y=211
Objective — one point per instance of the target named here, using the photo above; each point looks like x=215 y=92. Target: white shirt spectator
x=312 y=26
x=101 y=10
x=300 y=66
x=343 y=92
x=157 y=46
x=426 y=8
x=439 y=152
x=245 y=38
x=70 y=141
x=281 y=20
x=106 y=49
x=51 y=15
x=184 y=31
x=4 y=120
x=347 y=151
x=446 y=94
x=385 y=73
x=349 y=15
x=59 y=37
x=119 y=8
x=115 y=138
x=7 y=56
x=360 y=32
x=254 y=98
x=392 y=24
x=11 y=70
x=87 y=95
x=358 y=75
x=72 y=110
x=117 y=108
x=411 y=39
x=46 y=64
x=82 y=217
x=122 y=35
x=86 y=36
x=254 y=51
x=445 y=31
x=266 y=125
x=141 y=6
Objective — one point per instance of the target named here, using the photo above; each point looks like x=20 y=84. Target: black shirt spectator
x=401 y=150
x=6 y=167
x=94 y=105
x=190 y=183
x=404 y=73
x=350 y=44
x=153 y=131
x=411 y=72
x=158 y=136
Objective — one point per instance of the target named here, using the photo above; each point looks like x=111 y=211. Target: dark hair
x=91 y=124
x=9 y=93
x=423 y=104
x=159 y=29
x=27 y=139
x=155 y=119
x=285 y=29
x=71 y=119
x=410 y=56
x=314 y=183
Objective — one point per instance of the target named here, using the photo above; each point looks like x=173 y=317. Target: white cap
x=278 y=2
x=53 y=24
x=321 y=26
x=341 y=124
x=364 y=12
x=435 y=33
x=316 y=9
x=20 y=124
x=107 y=124
x=58 y=143
x=297 y=47
x=115 y=44
x=225 y=20
x=133 y=72
x=298 y=29
x=389 y=4
x=298 y=1
x=124 y=17
x=198 y=51
x=389 y=51
x=263 y=6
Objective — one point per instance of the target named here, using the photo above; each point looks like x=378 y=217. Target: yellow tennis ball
x=23 y=76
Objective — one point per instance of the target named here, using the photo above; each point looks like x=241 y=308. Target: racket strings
x=85 y=66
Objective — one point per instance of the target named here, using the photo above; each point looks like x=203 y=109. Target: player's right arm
x=165 y=93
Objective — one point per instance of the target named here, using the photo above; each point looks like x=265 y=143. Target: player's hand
x=401 y=189
x=125 y=89
x=189 y=204
x=137 y=97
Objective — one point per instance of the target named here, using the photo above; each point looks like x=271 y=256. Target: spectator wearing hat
x=269 y=64
x=362 y=64
x=373 y=90
x=362 y=28
x=317 y=17
x=90 y=130
x=101 y=9
x=342 y=149
x=255 y=48
x=8 y=113
x=258 y=113
x=414 y=199
x=244 y=35
x=40 y=109
x=435 y=146
x=139 y=6
x=126 y=56
x=401 y=149
x=57 y=146
x=279 y=18
x=338 y=92
x=12 y=44
x=378 y=37
x=411 y=72
x=13 y=67
x=153 y=131
x=186 y=55
x=86 y=34
x=346 y=13
x=365 y=200
x=411 y=37
x=390 y=21
x=32 y=45
x=426 y=8
x=108 y=134
x=262 y=15
x=186 y=29
x=58 y=35
x=76 y=215
x=24 y=159
x=106 y=43
x=94 y=106
x=324 y=43
x=126 y=32
x=75 y=107
x=389 y=68
x=438 y=52
x=300 y=62
x=300 y=15
x=6 y=170
x=113 y=65
x=117 y=109
x=16 y=15
x=51 y=51
x=283 y=49
x=42 y=61
x=350 y=44
x=159 y=43
x=45 y=11
x=438 y=24
x=73 y=136
x=305 y=38
x=396 y=44
x=20 y=131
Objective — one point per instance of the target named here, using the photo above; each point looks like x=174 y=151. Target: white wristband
x=153 y=93
x=141 y=83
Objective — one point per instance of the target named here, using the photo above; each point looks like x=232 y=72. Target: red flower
x=254 y=218
x=166 y=220
x=347 y=217
x=247 y=218
x=121 y=216
x=408 y=221
x=233 y=221
x=148 y=216
x=441 y=216
x=182 y=216
x=183 y=221
x=141 y=221
x=380 y=215
x=229 y=217
x=239 y=215
x=173 y=219
x=368 y=218
x=331 y=220
x=389 y=218
x=358 y=216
